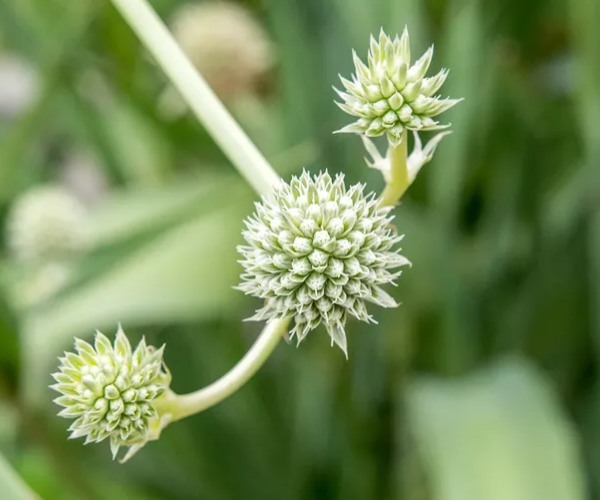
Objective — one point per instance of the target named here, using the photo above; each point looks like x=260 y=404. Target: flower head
x=389 y=96
x=317 y=251
x=225 y=43
x=111 y=391
x=19 y=86
x=46 y=223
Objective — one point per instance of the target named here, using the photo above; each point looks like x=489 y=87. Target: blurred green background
x=482 y=386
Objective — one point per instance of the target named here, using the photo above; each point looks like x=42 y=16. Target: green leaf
x=498 y=434
x=130 y=212
x=11 y=485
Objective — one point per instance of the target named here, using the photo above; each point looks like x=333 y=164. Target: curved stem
x=234 y=142
x=399 y=178
x=181 y=406
x=244 y=155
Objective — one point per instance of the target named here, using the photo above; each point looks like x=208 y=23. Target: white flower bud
x=225 y=43
x=19 y=86
x=46 y=224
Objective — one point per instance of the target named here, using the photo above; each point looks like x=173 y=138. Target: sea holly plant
x=317 y=252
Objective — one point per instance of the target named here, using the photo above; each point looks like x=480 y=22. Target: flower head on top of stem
x=111 y=391
x=389 y=95
x=318 y=251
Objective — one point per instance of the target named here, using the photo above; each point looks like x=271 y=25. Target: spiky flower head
x=111 y=390
x=389 y=96
x=46 y=223
x=226 y=43
x=317 y=252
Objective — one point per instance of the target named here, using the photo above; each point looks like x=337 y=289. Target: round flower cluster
x=389 y=95
x=111 y=391
x=46 y=223
x=225 y=43
x=19 y=86
x=317 y=252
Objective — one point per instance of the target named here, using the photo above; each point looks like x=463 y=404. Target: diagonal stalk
x=244 y=155
x=182 y=406
x=209 y=110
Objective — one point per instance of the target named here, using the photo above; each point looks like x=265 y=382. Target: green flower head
x=389 y=96
x=317 y=252
x=111 y=391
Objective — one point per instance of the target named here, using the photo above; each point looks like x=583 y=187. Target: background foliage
x=483 y=385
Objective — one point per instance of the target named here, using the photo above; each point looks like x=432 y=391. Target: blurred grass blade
x=462 y=49
x=127 y=213
x=11 y=485
x=496 y=435
x=585 y=16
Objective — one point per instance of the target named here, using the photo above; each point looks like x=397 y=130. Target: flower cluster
x=46 y=224
x=317 y=251
x=227 y=45
x=111 y=390
x=389 y=96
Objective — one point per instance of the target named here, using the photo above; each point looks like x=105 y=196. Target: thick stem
x=181 y=406
x=399 y=179
x=236 y=145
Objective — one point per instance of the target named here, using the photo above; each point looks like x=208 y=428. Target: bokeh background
x=117 y=206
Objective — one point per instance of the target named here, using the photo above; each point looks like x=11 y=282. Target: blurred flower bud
x=83 y=175
x=389 y=95
x=46 y=223
x=318 y=252
x=111 y=391
x=225 y=43
x=19 y=86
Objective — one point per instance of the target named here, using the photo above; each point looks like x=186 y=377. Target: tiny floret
x=111 y=391
x=317 y=252
x=389 y=96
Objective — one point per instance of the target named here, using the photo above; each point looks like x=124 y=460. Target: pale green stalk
x=236 y=145
x=244 y=155
x=399 y=177
x=181 y=406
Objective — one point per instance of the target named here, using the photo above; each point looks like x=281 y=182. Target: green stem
x=209 y=110
x=399 y=180
x=181 y=406
x=244 y=155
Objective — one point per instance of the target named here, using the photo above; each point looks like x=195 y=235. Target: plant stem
x=209 y=110
x=244 y=155
x=181 y=406
x=399 y=181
